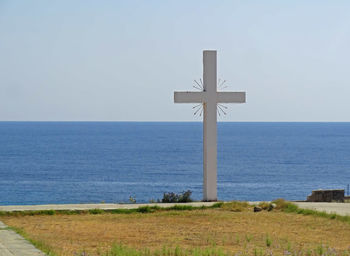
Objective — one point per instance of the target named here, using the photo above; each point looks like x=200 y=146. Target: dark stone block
x=330 y=195
x=257 y=209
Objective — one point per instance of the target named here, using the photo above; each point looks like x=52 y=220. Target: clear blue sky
x=122 y=60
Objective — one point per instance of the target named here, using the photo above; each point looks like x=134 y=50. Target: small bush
x=216 y=205
x=171 y=197
x=285 y=206
x=185 y=196
x=96 y=211
x=281 y=204
x=51 y=212
x=268 y=241
x=248 y=238
x=144 y=209
x=121 y=211
x=264 y=205
x=320 y=250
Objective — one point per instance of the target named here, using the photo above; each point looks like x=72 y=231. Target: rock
x=257 y=209
x=272 y=206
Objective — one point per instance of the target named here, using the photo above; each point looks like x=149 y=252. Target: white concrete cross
x=209 y=97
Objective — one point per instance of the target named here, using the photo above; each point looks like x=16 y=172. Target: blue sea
x=91 y=162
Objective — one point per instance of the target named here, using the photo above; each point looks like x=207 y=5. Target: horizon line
x=136 y=121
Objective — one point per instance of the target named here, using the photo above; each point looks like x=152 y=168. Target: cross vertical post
x=209 y=127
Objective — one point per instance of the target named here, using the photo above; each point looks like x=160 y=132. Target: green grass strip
x=120 y=250
x=141 y=209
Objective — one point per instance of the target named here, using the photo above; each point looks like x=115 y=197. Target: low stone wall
x=329 y=195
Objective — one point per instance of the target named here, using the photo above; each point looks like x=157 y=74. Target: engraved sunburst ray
x=198 y=109
x=221 y=107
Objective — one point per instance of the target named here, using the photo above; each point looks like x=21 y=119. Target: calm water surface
x=83 y=162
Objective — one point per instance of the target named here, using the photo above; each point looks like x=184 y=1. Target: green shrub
x=51 y=212
x=216 y=205
x=264 y=205
x=281 y=204
x=185 y=196
x=96 y=211
x=144 y=209
x=172 y=197
x=268 y=241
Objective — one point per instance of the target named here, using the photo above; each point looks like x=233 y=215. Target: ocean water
x=90 y=162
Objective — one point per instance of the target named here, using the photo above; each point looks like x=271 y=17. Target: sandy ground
x=237 y=232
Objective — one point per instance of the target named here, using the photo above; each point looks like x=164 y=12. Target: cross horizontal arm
x=231 y=97
x=188 y=97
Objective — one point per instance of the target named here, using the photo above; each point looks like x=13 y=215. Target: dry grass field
x=229 y=229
